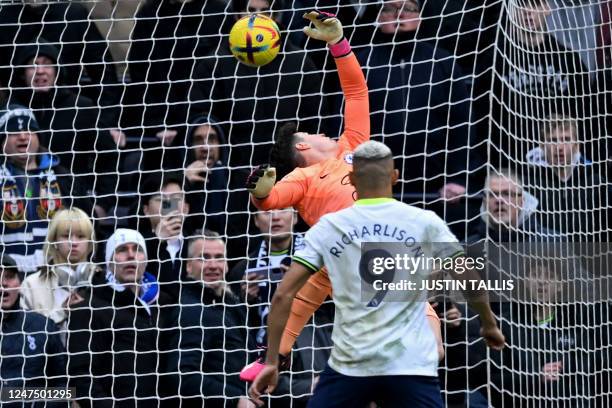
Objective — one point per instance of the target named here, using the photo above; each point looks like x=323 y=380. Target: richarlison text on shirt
x=392 y=233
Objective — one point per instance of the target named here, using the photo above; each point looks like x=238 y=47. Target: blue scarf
x=148 y=289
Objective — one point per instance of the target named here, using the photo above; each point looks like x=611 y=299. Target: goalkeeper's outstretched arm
x=290 y=191
x=354 y=86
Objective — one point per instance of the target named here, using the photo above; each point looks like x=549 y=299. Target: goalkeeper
x=317 y=183
x=386 y=353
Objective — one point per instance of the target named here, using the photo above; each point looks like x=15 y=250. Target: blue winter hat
x=17 y=118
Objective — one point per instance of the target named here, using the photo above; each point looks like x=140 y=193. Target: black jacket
x=578 y=207
x=222 y=203
x=576 y=337
x=71 y=127
x=313 y=345
x=116 y=349
x=31 y=353
x=84 y=57
x=164 y=56
x=288 y=88
x=420 y=106
x=213 y=343
x=525 y=86
x=168 y=272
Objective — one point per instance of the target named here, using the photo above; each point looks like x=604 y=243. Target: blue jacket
x=31 y=353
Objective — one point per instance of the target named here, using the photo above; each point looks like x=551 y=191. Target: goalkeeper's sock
x=306 y=302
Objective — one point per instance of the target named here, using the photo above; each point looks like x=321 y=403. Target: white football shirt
x=393 y=338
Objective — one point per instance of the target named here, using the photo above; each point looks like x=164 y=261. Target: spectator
x=116 y=348
x=31 y=352
x=572 y=193
x=420 y=104
x=216 y=192
x=34 y=187
x=161 y=62
x=84 y=55
x=507 y=211
x=466 y=29
x=534 y=76
x=548 y=363
x=213 y=342
x=162 y=222
x=266 y=263
x=264 y=268
x=68 y=250
x=288 y=88
x=69 y=123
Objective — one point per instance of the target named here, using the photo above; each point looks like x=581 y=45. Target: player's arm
x=356 y=105
x=266 y=195
x=292 y=282
x=354 y=87
x=478 y=300
x=447 y=247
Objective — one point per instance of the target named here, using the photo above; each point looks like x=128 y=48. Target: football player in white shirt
x=383 y=351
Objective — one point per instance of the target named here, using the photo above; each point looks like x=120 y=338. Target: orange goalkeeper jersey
x=324 y=187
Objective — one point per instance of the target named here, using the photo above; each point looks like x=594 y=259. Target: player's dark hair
x=283 y=155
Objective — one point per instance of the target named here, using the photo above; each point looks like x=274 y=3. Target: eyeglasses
x=504 y=194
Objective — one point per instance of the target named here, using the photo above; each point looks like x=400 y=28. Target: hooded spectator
x=213 y=341
x=68 y=250
x=34 y=187
x=84 y=52
x=31 y=351
x=288 y=88
x=117 y=352
x=215 y=191
x=71 y=125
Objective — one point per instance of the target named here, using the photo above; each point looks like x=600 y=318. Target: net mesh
x=135 y=112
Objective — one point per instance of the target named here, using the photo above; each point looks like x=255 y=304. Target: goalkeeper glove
x=261 y=180
x=326 y=27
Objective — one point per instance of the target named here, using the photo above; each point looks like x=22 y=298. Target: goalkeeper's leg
x=306 y=302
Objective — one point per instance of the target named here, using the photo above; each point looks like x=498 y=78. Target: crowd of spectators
x=133 y=266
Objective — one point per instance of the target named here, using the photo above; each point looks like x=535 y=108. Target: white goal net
x=136 y=113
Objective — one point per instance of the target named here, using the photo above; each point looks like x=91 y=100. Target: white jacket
x=46 y=290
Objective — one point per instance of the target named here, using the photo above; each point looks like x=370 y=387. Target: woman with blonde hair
x=68 y=249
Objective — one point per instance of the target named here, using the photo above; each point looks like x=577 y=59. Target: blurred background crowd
x=128 y=130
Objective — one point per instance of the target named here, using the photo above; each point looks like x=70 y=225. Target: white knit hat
x=124 y=236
